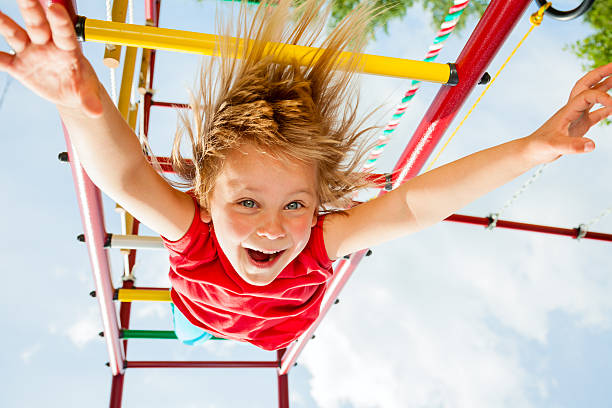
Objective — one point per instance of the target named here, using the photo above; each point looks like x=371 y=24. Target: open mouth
x=262 y=259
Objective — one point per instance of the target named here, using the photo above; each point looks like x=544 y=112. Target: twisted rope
x=447 y=26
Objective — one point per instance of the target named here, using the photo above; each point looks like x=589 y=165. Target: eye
x=294 y=205
x=247 y=203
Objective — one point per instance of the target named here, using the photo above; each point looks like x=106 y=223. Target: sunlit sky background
x=453 y=316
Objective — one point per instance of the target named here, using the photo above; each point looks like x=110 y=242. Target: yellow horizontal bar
x=149 y=295
x=199 y=43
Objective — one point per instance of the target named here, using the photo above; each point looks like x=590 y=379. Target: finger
x=591 y=79
x=583 y=102
x=584 y=144
x=573 y=145
x=14 y=35
x=6 y=60
x=604 y=86
x=600 y=114
x=35 y=20
x=62 y=29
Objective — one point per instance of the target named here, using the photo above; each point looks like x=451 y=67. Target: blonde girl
x=275 y=149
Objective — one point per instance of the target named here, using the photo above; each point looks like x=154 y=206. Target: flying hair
x=290 y=110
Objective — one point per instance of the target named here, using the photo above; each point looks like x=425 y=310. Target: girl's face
x=262 y=210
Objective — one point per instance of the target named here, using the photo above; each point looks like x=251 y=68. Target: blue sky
x=448 y=317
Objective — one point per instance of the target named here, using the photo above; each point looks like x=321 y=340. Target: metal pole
x=116 y=391
x=201 y=364
x=133 y=242
x=170 y=105
x=489 y=35
x=152 y=8
x=283 y=383
x=90 y=205
x=92 y=218
x=133 y=35
x=544 y=229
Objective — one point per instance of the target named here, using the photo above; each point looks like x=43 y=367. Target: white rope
x=495 y=216
x=113 y=85
x=131 y=11
x=131 y=21
x=584 y=228
x=603 y=214
x=523 y=188
x=109 y=13
x=141 y=132
x=113 y=78
x=7 y=83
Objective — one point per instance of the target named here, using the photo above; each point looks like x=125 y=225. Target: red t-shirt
x=209 y=292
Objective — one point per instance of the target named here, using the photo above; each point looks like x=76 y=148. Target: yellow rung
x=126 y=81
x=132 y=116
x=112 y=53
x=148 y=295
x=199 y=43
x=143 y=77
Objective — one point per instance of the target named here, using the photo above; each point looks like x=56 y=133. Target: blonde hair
x=298 y=112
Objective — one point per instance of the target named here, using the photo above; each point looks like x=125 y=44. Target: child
x=274 y=149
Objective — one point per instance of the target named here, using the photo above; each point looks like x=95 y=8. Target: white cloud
x=65 y=272
x=295 y=397
x=451 y=330
x=151 y=268
x=157 y=309
x=443 y=318
x=85 y=329
x=27 y=354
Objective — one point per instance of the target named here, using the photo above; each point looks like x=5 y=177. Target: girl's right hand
x=48 y=59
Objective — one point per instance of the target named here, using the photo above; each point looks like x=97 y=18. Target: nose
x=271 y=227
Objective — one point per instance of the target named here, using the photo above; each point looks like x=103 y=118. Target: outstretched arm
x=49 y=61
x=433 y=196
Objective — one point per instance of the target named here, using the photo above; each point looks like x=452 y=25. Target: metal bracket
x=492 y=221
x=582 y=231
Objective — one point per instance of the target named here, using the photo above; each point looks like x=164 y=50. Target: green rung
x=250 y=1
x=153 y=334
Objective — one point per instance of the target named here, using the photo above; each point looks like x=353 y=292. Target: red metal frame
x=91 y=210
x=170 y=105
x=567 y=232
x=490 y=33
x=90 y=205
x=201 y=364
x=92 y=218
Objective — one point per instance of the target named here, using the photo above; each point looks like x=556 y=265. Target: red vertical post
x=151 y=10
x=116 y=391
x=151 y=13
x=487 y=38
x=153 y=6
x=283 y=383
x=147 y=105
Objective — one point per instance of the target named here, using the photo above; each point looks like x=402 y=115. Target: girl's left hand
x=563 y=132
